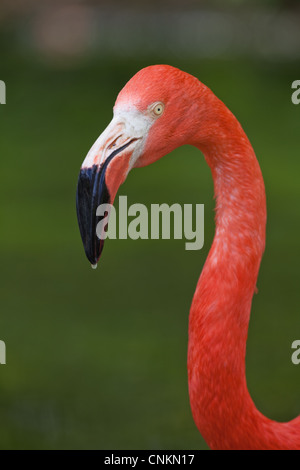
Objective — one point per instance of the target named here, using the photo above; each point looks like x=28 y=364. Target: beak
x=103 y=171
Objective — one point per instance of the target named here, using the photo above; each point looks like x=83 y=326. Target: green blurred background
x=97 y=359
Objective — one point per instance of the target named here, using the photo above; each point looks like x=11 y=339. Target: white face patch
x=127 y=125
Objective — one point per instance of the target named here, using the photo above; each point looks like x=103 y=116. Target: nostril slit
x=119 y=149
x=113 y=144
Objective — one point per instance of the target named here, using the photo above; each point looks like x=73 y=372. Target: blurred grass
x=98 y=359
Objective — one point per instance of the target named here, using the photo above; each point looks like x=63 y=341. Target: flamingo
x=159 y=109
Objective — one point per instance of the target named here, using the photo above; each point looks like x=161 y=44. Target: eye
x=158 y=108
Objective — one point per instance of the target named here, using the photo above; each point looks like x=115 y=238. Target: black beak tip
x=91 y=192
x=93 y=251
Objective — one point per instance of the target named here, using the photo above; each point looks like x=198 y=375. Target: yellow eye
x=158 y=108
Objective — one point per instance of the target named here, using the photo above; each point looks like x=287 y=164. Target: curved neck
x=222 y=407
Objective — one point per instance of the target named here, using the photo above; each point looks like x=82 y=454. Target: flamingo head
x=152 y=116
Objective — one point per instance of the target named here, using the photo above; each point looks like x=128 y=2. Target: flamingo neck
x=221 y=405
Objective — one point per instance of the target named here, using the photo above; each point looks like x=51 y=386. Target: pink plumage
x=221 y=405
